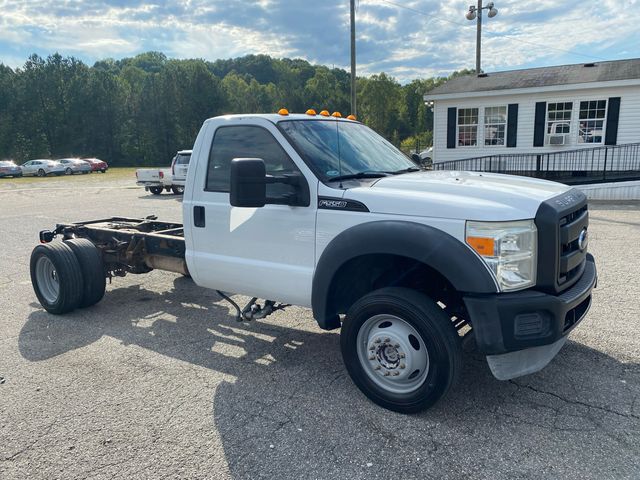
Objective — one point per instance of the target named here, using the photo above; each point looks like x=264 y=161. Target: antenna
x=339 y=155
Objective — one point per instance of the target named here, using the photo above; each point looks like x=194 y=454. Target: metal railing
x=611 y=163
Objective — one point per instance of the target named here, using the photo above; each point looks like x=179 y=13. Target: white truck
x=156 y=180
x=322 y=212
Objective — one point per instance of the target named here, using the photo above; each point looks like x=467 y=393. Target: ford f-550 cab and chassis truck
x=324 y=213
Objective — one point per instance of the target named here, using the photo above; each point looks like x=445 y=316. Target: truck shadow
x=292 y=408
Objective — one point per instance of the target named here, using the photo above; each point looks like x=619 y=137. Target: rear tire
x=56 y=277
x=155 y=190
x=177 y=190
x=41 y=173
x=68 y=171
x=400 y=349
x=92 y=268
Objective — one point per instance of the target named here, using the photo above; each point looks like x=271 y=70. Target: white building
x=537 y=110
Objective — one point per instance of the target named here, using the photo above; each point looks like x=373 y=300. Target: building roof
x=542 y=77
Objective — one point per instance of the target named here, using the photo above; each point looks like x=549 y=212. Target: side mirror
x=248 y=187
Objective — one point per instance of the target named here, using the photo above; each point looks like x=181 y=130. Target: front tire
x=92 y=268
x=400 y=349
x=155 y=190
x=68 y=171
x=41 y=173
x=56 y=277
x=177 y=190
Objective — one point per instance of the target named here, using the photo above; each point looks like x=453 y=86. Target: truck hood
x=460 y=195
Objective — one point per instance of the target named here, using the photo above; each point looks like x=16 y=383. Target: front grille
x=560 y=220
x=572 y=259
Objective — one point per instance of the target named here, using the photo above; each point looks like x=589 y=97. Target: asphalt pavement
x=159 y=381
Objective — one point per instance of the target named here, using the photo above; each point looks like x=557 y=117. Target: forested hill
x=140 y=110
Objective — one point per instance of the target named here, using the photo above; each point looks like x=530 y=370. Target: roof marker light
x=324 y=113
x=336 y=114
x=351 y=117
x=283 y=111
x=311 y=111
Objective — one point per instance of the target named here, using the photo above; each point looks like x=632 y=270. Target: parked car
x=42 y=167
x=97 y=165
x=75 y=165
x=179 y=168
x=9 y=169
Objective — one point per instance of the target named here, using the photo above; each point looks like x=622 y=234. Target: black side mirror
x=248 y=186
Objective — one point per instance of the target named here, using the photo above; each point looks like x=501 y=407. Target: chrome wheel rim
x=47 y=277
x=392 y=353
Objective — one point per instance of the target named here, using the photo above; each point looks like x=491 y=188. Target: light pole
x=476 y=12
x=353 y=57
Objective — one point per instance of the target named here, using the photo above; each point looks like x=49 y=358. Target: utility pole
x=353 y=58
x=475 y=13
x=479 y=37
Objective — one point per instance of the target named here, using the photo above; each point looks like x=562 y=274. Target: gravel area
x=158 y=380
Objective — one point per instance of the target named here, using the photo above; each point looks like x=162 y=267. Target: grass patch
x=113 y=174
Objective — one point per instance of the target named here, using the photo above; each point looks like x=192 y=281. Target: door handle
x=198 y=216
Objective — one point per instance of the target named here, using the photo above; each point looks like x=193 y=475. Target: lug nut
x=396 y=345
x=386 y=374
x=402 y=355
x=377 y=367
x=372 y=357
x=395 y=374
x=377 y=340
x=372 y=347
x=403 y=366
x=387 y=340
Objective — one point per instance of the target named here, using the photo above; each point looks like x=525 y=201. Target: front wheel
x=177 y=189
x=155 y=190
x=68 y=171
x=400 y=349
x=41 y=173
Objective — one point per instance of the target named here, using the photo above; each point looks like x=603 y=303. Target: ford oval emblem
x=583 y=239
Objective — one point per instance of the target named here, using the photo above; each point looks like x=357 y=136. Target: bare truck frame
x=134 y=245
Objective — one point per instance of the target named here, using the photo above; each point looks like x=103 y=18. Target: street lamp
x=476 y=13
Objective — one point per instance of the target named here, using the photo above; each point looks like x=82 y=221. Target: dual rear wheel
x=67 y=275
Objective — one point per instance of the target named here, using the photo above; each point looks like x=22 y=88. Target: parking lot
x=158 y=380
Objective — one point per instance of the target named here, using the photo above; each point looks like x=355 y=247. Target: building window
x=467 y=127
x=495 y=125
x=592 y=119
x=559 y=118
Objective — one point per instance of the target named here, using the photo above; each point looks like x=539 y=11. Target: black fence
x=612 y=163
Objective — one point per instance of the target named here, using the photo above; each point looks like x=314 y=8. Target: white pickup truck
x=322 y=212
x=156 y=180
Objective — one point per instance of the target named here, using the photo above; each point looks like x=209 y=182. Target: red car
x=97 y=165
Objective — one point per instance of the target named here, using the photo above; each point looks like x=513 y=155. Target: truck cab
x=322 y=212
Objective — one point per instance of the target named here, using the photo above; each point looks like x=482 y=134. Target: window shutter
x=613 y=115
x=538 y=126
x=512 y=124
x=451 y=127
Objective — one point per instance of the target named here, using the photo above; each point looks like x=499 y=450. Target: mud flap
x=523 y=362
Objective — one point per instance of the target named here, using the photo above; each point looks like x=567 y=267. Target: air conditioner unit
x=557 y=139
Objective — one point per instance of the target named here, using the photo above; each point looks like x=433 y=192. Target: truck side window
x=244 y=141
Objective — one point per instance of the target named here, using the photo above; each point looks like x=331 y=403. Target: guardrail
x=611 y=163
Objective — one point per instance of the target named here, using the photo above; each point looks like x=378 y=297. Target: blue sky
x=406 y=38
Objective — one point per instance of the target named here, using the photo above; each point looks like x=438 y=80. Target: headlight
x=509 y=249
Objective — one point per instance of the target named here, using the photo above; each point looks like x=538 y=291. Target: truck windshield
x=337 y=149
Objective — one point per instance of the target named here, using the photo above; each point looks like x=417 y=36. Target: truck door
x=265 y=252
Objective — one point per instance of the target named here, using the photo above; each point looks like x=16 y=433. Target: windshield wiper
x=405 y=170
x=350 y=176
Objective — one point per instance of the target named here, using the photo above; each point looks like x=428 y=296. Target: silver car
x=9 y=169
x=42 y=168
x=74 y=165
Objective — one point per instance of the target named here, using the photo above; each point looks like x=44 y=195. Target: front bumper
x=510 y=322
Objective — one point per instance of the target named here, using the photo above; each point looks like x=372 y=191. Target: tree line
x=141 y=110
